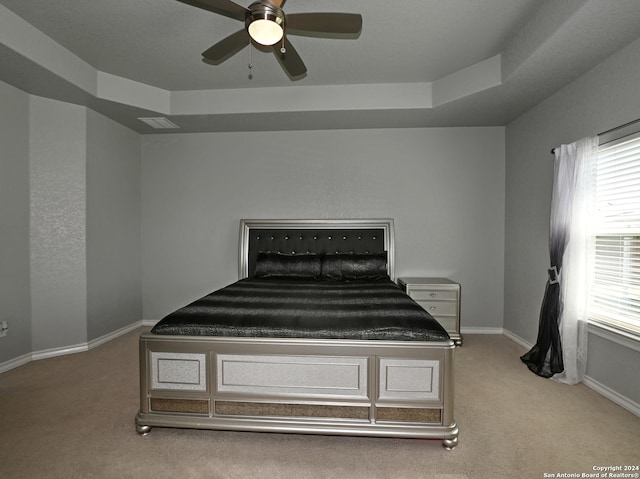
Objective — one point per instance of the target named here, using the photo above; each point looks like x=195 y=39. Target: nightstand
x=440 y=297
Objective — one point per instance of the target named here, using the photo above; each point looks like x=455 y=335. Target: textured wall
x=58 y=219
x=444 y=188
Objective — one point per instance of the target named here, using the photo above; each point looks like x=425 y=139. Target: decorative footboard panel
x=370 y=388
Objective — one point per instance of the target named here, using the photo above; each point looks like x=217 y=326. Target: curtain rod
x=619 y=127
x=553 y=150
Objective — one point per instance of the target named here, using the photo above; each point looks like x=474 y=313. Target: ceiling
x=416 y=63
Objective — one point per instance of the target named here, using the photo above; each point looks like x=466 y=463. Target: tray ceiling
x=416 y=63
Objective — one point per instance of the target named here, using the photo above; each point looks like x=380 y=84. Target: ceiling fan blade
x=223 y=7
x=319 y=23
x=290 y=60
x=227 y=47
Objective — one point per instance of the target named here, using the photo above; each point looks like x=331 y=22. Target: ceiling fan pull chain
x=283 y=50
x=250 y=59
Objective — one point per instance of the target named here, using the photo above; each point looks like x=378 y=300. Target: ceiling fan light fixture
x=265 y=32
x=265 y=23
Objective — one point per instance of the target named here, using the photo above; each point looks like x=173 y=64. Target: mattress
x=306 y=308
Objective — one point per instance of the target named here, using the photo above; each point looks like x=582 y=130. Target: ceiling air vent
x=159 y=123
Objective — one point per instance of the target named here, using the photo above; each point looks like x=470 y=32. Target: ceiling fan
x=268 y=26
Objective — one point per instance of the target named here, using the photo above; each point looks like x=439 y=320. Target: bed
x=314 y=337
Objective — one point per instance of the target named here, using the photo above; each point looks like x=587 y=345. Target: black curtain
x=545 y=358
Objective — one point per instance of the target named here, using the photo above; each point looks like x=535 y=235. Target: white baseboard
x=53 y=352
x=15 y=363
x=115 y=334
x=609 y=393
x=464 y=331
x=78 y=348
x=517 y=339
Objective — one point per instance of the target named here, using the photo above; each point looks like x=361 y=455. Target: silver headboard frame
x=327 y=236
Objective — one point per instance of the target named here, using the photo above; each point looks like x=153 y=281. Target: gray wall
x=15 y=285
x=444 y=187
x=605 y=97
x=114 y=297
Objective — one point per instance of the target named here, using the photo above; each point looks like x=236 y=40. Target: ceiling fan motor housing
x=265 y=23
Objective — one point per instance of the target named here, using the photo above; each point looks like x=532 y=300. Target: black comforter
x=294 y=308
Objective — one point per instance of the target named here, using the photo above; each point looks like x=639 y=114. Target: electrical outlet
x=4 y=327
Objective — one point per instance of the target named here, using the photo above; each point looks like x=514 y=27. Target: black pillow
x=274 y=265
x=345 y=266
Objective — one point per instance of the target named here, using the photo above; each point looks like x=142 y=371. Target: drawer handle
x=432 y=308
x=433 y=295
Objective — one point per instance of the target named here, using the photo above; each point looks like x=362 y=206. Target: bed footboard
x=344 y=387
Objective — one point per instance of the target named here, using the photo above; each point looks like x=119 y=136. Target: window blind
x=615 y=295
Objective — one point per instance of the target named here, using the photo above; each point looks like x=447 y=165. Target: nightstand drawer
x=438 y=308
x=431 y=294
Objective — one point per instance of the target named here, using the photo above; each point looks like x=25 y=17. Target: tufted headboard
x=314 y=236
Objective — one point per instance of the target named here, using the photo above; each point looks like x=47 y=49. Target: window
x=615 y=294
